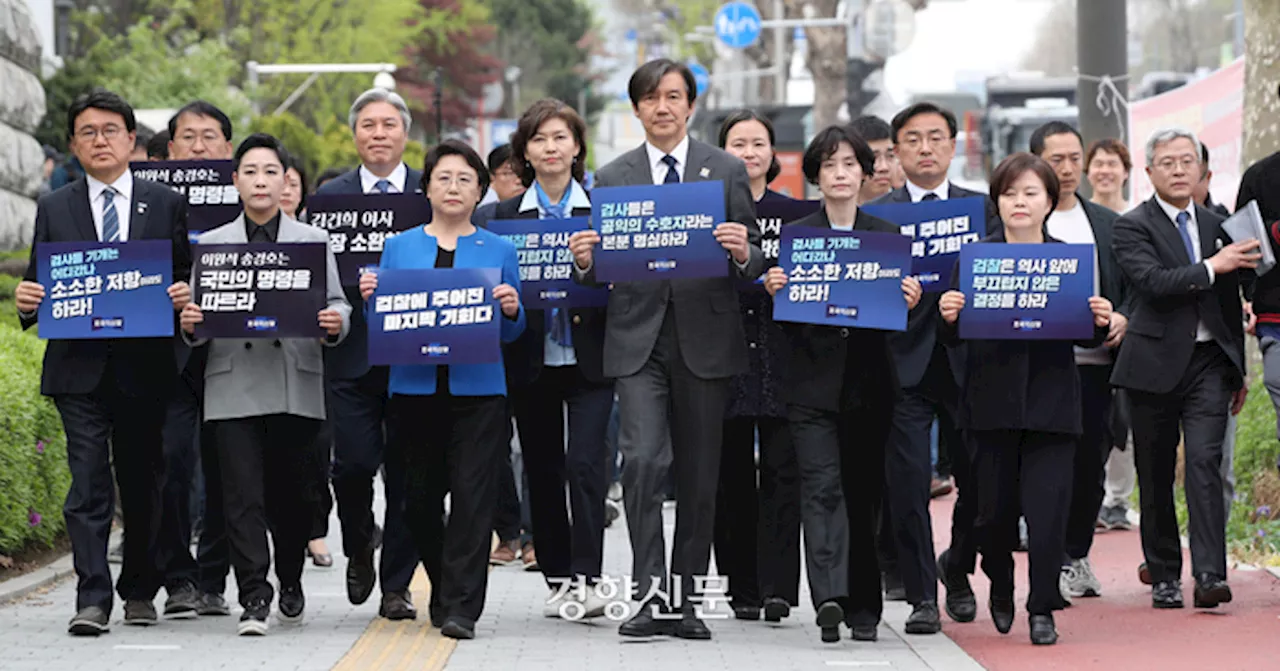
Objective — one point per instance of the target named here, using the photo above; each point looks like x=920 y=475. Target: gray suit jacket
x=709 y=322
x=254 y=377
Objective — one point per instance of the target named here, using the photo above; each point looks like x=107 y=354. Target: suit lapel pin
x=142 y=208
x=1218 y=242
x=705 y=173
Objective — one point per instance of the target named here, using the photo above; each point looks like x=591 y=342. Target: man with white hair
x=357 y=392
x=1182 y=364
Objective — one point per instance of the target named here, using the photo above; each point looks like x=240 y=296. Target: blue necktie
x=1184 y=227
x=383 y=186
x=672 y=177
x=110 y=220
x=557 y=320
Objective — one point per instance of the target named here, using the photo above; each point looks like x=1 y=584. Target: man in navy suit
x=111 y=393
x=357 y=392
x=924 y=137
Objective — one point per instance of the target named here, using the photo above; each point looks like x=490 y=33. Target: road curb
x=14 y=589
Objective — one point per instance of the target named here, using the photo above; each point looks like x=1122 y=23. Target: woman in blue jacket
x=448 y=422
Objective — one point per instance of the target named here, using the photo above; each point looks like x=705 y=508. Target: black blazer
x=1171 y=295
x=349 y=359
x=1022 y=385
x=913 y=349
x=524 y=358
x=836 y=368
x=142 y=366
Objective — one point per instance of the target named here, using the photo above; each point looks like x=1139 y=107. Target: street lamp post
x=255 y=70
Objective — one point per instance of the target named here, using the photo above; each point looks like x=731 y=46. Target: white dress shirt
x=368 y=180
x=660 y=167
x=1193 y=228
x=917 y=193
x=122 y=201
x=1073 y=227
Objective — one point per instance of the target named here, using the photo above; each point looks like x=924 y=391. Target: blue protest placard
x=360 y=224
x=843 y=278
x=260 y=290
x=429 y=316
x=1026 y=291
x=546 y=264
x=212 y=199
x=938 y=228
x=105 y=290
x=660 y=232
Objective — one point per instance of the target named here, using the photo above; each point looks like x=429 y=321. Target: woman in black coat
x=1020 y=402
x=840 y=387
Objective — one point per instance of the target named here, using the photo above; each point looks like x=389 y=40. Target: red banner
x=1212 y=108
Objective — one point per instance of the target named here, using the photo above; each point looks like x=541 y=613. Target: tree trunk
x=1261 y=78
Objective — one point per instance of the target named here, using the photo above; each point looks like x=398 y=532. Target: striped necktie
x=110 y=220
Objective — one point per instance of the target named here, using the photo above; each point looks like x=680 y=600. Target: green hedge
x=33 y=458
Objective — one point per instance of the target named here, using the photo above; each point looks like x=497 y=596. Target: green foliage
x=33 y=460
x=152 y=66
x=334 y=148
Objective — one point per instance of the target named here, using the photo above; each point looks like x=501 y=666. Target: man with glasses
x=1182 y=364
x=111 y=393
x=199 y=131
x=924 y=137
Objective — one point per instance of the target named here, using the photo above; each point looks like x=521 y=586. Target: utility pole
x=439 y=103
x=1102 y=92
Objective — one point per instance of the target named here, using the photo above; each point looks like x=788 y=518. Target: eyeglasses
x=89 y=133
x=463 y=180
x=1168 y=163
x=915 y=140
x=190 y=139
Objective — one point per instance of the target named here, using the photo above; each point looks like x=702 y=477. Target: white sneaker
x=1078 y=580
x=594 y=605
x=565 y=606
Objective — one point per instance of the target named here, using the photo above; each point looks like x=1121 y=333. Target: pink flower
x=33 y=517
x=39 y=447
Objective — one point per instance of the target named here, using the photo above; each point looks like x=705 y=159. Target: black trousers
x=757 y=531
x=1092 y=449
x=511 y=518
x=363 y=442
x=841 y=463
x=181 y=457
x=264 y=485
x=214 y=552
x=1027 y=472
x=105 y=425
x=449 y=445
x=565 y=549
x=1199 y=405
x=319 y=495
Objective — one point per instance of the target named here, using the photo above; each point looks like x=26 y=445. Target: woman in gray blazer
x=264 y=400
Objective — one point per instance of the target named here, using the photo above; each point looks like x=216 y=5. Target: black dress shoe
x=865 y=632
x=960 y=603
x=213 y=605
x=360 y=578
x=1002 y=613
x=924 y=619
x=776 y=608
x=457 y=629
x=830 y=615
x=691 y=628
x=644 y=625
x=1167 y=594
x=140 y=613
x=1042 y=630
x=397 y=606
x=292 y=603
x=893 y=587
x=89 y=621
x=1211 y=591
x=746 y=612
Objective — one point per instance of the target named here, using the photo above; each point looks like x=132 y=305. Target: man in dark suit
x=1182 y=364
x=1079 y=221
x=199 y=131
x=924 y=137
x=357 y=392
x=111 y=393
x=673 y=346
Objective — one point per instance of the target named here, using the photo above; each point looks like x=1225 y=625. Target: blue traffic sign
x=738 y=25
x=701 y=77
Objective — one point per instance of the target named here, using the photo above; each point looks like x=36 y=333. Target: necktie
x=383 y=186
x=110 y=220
x=672 y=177
x=929 y=196
x=1184 y=227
